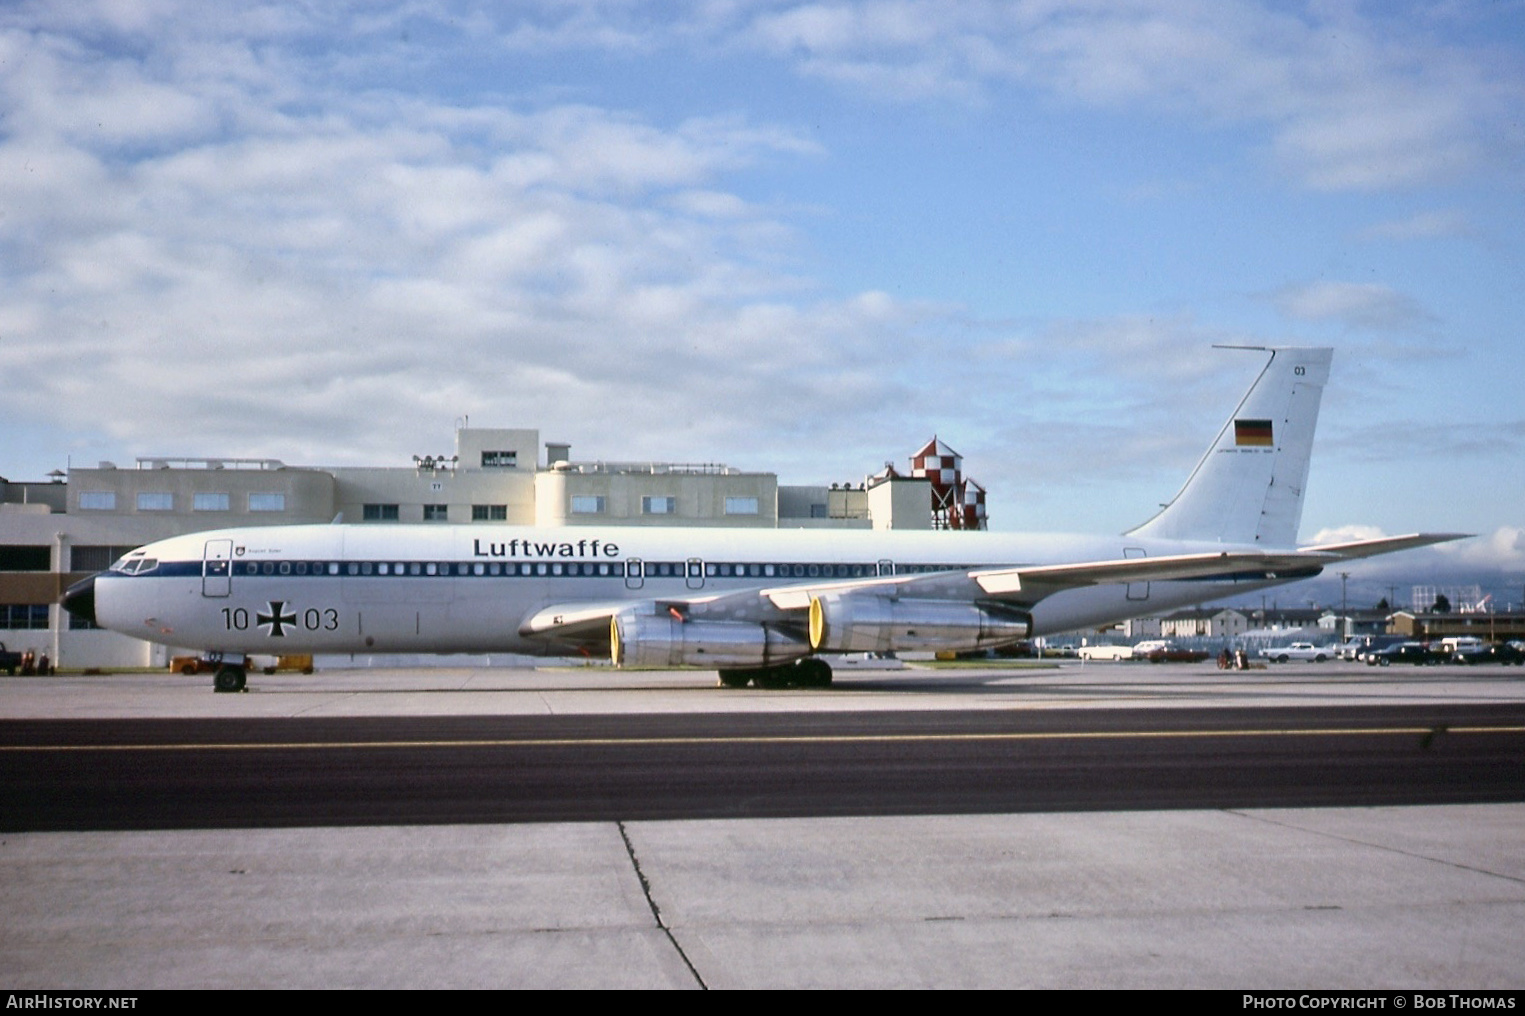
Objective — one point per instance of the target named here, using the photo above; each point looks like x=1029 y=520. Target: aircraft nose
x=79 y=599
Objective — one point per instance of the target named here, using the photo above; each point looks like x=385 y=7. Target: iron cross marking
x=277 y=618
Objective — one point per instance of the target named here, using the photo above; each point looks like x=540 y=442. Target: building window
x=97 y=500
x=659 y=506
x=379 y=513
x=588 y=504
x=156 y=501
x=85 y=557
x=741 y=506
x=436 y=513
x=210 y=502
x=818 y=511
x=489 y=513
x=22 y=557
x=500 y=460
x=24 y=616
x=267 y=502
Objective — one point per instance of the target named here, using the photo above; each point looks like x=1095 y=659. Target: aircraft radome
x=762 y=606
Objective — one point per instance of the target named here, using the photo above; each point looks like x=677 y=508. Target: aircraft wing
x=1028 y=585
x=1023 y=586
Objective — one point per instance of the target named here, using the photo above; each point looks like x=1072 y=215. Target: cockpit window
x=134 y=565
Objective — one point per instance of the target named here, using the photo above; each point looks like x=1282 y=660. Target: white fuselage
x=450 y=589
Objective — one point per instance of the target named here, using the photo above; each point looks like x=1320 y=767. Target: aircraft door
x=1137 y=590
x=635 y=576
x=217 y=568
x=886 y=568
x=694 y=573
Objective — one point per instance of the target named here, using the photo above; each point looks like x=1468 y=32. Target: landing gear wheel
x=735 y=678
x=812 y=673
x=773 y=677
x=229 y=679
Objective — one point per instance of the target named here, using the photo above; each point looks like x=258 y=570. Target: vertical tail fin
x=1248 y=488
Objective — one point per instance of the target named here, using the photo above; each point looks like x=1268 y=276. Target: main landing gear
x=229 y=677
x=806 y=673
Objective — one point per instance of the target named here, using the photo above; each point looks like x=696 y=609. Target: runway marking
x=606 y=742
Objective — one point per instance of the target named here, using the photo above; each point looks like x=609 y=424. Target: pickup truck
x=9 y=662
x=1305 y=651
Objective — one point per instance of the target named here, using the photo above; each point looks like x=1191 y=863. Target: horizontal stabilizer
x=1384 y=544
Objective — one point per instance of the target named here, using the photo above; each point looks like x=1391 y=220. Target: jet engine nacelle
x=868 y=623
x=662 y=640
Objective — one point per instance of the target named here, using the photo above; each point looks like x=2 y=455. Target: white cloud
x=1345 y=534
x=1356 y=305
x=238 y=274
x=1501 y=550
x=1349 y=102
x=1421 y=226
x=1495 y=561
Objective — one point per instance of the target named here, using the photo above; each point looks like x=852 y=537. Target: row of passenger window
x=436 y=569
x=588 y=569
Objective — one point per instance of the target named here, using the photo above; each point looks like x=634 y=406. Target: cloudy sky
x=799 y=237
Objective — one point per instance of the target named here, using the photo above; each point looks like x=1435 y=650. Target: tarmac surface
x=1377 y=898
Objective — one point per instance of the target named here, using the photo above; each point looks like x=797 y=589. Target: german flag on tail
x=1253 y=433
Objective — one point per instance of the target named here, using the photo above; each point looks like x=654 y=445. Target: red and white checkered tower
x=943 y=468
x=956 y=503
x=972 y=506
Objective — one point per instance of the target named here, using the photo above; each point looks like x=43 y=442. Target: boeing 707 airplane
x=763 y=607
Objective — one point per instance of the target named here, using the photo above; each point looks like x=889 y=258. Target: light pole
x=1344 y=607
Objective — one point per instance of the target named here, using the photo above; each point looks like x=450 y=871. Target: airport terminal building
x=57 y=531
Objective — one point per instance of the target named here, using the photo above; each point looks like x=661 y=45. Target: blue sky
x=800 y=237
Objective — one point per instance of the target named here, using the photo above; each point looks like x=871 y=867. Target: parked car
x=1504 y=653
x=1305 y=651
x=1370 y=643
x=1165 y=651
x=1112 y=653
x=1416 y=653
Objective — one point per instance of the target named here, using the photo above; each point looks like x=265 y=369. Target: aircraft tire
x=813 y=673
x=773 y=677
x=229 y=679
x=735 y=678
